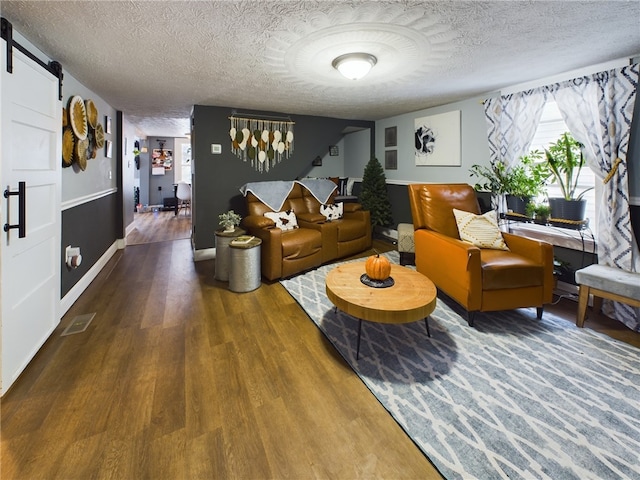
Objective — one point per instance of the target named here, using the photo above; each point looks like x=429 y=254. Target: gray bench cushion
x=610 y=279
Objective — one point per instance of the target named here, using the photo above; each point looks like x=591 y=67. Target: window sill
x=581 y=240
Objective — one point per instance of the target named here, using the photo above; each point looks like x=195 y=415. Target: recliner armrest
x=538 y=251
x=257 y=221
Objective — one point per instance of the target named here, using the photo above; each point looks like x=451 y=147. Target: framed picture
x=161 y=157
x=391 y=159
x=391 y=136
x=107 y=124
x=333 y=151
x=437 y=140
x=108 y=148
x=317 y=162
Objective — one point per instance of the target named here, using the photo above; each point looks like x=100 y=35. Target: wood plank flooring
x=179 y=378
x=160 y=226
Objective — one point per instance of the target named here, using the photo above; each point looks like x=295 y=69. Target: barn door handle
x=22 y=209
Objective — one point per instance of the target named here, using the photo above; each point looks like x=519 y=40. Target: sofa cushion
x=300 y=243
x=349 y=229
x=332 y=211
x=502 y=269
x=480 y=230
x=284 y=220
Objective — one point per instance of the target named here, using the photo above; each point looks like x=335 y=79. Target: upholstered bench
x=406 y=245
x=611 y=283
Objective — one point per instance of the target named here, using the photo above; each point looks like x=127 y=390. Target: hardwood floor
x=159 y=227
x=179 y=378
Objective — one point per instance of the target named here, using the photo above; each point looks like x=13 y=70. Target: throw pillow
x=284 y=220
x=332 y=211
x=480 y=230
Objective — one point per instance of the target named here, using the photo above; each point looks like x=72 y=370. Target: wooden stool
x=611 y=283
x=406 y=245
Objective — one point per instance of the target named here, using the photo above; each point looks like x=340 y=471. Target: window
x=549 y=130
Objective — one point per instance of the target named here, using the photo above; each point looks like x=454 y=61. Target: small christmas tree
x=374 y=196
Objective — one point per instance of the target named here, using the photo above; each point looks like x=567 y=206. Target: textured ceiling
x=155 y=60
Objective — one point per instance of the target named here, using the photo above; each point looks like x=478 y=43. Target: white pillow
x=284 y=220
x=480 y=230
x=332 y=211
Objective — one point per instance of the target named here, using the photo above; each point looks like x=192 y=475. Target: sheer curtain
x=598 y=110
x=512 y=121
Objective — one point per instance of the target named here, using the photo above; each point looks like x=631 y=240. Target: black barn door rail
x=52 y=67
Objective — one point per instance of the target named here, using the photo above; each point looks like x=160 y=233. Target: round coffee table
x=411 y=298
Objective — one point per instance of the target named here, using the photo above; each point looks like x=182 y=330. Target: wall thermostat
x=216 y=148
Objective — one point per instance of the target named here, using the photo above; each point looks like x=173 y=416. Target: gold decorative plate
x=92 y=113
x=78 y=117
x=80 y=153
x=99 y=136
x=67 y=147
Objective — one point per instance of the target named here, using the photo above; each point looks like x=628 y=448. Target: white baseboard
x=204 y=254
x=72 y=295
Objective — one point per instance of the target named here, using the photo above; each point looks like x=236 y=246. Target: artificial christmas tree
x=374 y=196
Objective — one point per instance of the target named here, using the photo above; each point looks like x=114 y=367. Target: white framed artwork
x=437 y=140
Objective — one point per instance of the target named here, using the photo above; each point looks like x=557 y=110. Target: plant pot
x=517 y=204
x=568 y=209
x=230 y=229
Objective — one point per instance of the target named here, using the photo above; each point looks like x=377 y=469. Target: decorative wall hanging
x=161 y=157
x=437 y=139
x=391 y=136
x=261 y=141
x=82 y=135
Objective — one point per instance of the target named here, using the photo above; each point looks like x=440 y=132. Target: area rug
x=513 y=397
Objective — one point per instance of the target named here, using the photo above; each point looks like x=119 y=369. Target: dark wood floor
x=179 y=378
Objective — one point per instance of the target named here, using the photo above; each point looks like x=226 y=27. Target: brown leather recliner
x=283 y=253
x=479 y=279
x=316 y=241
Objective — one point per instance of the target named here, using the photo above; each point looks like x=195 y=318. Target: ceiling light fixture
x=354 y=66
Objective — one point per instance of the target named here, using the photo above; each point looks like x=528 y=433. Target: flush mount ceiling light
x=354 y=66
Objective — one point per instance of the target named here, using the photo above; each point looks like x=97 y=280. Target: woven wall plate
x=92 y=113
x=65 y=117
x=67 y=147
x=78 y=117
x=99 y=136
x=80 y=153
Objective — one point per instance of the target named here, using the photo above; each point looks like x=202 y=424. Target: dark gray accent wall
x=92 y=226
x=218 y=177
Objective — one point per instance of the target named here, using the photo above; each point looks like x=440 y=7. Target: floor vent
x=78 y=324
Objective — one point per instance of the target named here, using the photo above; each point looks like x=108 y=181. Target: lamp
x=354 y=66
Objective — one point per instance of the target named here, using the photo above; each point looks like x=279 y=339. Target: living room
x=98 y=203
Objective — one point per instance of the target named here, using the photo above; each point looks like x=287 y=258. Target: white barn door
x=30 y=152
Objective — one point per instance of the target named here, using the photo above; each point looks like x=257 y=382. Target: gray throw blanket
x=272 y=194
x=321 y=188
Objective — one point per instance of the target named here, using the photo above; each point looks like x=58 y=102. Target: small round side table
x=245 y=274
x=223 y=239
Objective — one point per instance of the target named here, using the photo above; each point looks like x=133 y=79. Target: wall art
x=391 y=136
x=437 y=140
x=391 y=159
x=263 y=142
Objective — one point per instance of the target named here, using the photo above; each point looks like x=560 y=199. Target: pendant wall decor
x=262 y=142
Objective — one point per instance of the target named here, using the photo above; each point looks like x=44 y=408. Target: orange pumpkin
x=377 y=267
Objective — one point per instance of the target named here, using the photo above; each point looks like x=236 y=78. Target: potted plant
x=374 y=196
x=229 y=220
x=565 y=160
x=519 y=183
x=539 y=212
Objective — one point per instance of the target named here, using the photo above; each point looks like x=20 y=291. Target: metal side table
x=245 y=271
x=223 y=239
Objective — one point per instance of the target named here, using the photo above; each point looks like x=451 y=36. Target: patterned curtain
x=598 y=110
x=512 y=121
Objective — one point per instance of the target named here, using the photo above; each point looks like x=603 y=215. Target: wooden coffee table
x=411 y=298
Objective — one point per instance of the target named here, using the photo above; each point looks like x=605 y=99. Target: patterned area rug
x=513 y=397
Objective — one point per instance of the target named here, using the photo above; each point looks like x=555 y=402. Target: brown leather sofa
x=316 y=241
x=479 y=279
